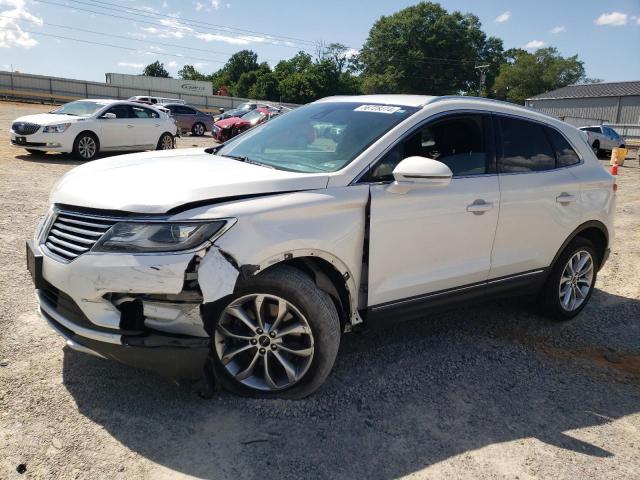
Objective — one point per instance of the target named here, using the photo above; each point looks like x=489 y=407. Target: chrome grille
x=73 y=234
x=25 y=128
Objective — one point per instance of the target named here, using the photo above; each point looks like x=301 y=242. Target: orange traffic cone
x=614 y=169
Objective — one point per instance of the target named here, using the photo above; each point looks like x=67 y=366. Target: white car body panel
x=173 y=178
x=426 y=226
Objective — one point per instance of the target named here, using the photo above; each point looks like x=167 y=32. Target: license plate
x=21 y=140
x=34 y=265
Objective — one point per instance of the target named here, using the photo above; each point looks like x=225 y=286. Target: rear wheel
x=198 y=129
x=86 y=146
x=596 y=149
x=166 y=142
x=278 y=336
x=570 y=283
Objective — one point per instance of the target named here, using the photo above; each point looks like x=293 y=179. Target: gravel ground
x=493 y=391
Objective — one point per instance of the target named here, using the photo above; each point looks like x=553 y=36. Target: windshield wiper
x=245 y=159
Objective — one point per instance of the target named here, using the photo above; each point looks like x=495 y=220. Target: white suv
x=258 y=254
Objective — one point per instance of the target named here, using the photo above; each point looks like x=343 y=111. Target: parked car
x=87 y=127
x=190 y=119
x=156 y=100
x=603 y=139
x=228 y=128
x=242 y=110
x=261 y=252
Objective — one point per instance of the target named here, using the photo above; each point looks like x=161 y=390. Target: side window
x=460 y=142
x=141 y=112
x=565 y=154
x=525 y=147
x=121 y=111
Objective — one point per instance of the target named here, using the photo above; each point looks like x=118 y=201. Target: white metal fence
x=61 y=90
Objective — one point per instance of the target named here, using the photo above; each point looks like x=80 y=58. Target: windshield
x=320 y=137
x=80 y=108
x=253 y=116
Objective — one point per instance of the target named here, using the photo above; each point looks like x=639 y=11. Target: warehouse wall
x=624 y=110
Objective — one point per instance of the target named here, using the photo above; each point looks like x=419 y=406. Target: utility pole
x=483 y=76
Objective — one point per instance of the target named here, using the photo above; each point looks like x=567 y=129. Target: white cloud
x=199 y=6
x=533 y=44
x=351 y=52
x=503 y=17
x=215 y=4
x=241 y=40
x=172 y=64
x=558 y=29
x=130 y=65
x=165 y=4
x=613 y=19
x=10 y=32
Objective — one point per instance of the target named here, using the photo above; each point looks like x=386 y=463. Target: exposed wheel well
x=93 y=134
x=328 y=279
x=596 y=143
x=598 y=238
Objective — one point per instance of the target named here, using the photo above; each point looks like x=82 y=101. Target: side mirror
x=108 y=116
x=221 y=110
x=415 y=172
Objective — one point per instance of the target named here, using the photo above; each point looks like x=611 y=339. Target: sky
x=36 y=36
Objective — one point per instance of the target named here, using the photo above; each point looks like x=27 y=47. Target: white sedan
x=87 y=127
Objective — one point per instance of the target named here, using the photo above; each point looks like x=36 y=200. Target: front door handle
x=478 y=207
x=565 y=198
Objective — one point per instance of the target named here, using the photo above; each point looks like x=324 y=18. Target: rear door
x=539 y=205
x=146 y=126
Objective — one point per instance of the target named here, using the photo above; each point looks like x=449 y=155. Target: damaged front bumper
x=140 y=310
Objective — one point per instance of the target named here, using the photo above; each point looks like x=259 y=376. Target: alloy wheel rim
x=576 y=280
x=167 y=143
x=87 y=147
x=199 y=130
x=264 y=342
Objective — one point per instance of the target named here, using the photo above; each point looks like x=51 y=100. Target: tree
x=189 y=72
x=156 y=69
x=525 y=74
x=424 y=49
x=240 y=62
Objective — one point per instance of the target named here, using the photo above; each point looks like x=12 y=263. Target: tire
x=166 y=142
x=82 y=146
x=198 y=129
x=31 y=151
x=551 y=301
x=596 y=149
x=319 y=342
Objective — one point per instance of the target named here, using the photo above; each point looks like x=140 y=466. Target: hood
x=49 y=119
x=228 y=122
x=156 y=182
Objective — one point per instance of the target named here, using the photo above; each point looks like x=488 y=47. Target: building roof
x=591 y=90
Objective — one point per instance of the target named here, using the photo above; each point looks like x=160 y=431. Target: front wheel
x=198 y=129
x=570 y=283
x=166 y=142
x=278 y=336
x=86 y=146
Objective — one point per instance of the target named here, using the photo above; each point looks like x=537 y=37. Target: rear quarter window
x=565 y=154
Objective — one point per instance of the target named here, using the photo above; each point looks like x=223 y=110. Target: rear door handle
x=566 y=198
x=479 y=207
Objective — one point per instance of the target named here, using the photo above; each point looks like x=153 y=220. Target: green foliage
x=189 y=72
x=424 y=49
x=156 y=69
x=525 y=74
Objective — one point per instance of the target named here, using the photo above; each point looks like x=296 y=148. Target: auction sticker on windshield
x=377 y=108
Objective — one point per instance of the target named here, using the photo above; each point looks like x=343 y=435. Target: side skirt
x=525 y=284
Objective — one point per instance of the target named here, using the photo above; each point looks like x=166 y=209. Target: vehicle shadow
x=399 y=399
x=61 y=158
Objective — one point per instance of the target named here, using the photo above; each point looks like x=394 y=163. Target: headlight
x=140 y=237
x=56 y=128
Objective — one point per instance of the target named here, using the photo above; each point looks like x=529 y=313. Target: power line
x=195 y=32
x=187 y=20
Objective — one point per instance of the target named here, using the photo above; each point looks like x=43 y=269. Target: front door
x=116 y=132
x=432 y=241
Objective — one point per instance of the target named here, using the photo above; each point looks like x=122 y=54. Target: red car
x=228 y=128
